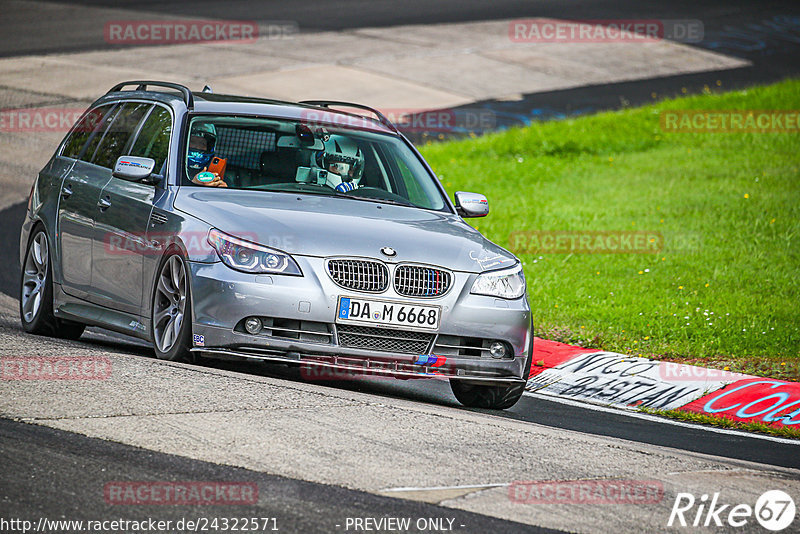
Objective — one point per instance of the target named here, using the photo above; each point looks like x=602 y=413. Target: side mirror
x=471 y=204
x=134 y=169
x=153 y=179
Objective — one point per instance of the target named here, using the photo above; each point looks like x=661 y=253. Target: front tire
x=488 y=397
x=36 y=293
x=171 y=325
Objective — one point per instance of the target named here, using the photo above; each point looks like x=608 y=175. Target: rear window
x=243 y=147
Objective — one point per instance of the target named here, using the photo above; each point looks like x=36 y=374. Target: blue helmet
x=198 y=159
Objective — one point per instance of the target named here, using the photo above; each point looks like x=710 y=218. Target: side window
x=153 y=140
x=98 y=134
x=83 y=130
x=119 y=133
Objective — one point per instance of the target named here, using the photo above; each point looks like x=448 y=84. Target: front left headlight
x=506 y=283
x=250 y=257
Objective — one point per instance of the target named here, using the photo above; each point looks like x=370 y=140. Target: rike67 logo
x=774 y=510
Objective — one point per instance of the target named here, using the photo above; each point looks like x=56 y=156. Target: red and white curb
x=611 y=379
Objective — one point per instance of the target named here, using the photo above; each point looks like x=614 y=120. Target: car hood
x=324 y=226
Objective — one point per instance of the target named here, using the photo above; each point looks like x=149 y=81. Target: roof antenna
x=207 y=89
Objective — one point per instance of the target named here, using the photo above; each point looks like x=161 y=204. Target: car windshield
x=264 y=154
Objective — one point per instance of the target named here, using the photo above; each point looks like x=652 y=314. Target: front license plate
x=387 y=313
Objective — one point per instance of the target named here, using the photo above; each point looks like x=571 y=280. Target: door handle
x=104 y=203
x=66 y=191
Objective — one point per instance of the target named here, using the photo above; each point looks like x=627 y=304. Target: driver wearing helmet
x=202 y=141
x=344 y=162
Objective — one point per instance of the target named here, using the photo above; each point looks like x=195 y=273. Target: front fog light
x=252 y=325
x=497 y=349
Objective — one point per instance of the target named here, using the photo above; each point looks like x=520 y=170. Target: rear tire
x=36 y=293
x=488 y=397
x=171 y=324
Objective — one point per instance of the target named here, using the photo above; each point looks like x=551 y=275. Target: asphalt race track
x=71 y=464
x=323 y=452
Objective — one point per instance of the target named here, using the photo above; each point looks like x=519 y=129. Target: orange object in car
x=217 y=166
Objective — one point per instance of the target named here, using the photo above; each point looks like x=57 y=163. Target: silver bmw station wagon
x=308 y=233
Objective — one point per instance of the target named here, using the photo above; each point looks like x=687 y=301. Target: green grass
x=724 y=291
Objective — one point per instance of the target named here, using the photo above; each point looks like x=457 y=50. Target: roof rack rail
x=142 y=86
x=328 y=103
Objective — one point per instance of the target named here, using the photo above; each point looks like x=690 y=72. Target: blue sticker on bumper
x=344 y=308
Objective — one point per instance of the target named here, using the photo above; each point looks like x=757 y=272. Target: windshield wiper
x=379 y=200
x=305 y=189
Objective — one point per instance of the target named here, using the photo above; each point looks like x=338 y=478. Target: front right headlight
x=250 y=257
x=506 y=283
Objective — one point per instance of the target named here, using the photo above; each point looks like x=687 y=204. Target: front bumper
x=222 y=298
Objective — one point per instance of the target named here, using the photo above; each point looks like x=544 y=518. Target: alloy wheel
x=34 y=277
x=169 y=307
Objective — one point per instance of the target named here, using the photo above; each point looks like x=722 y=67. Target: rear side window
x=153 y=140
x=83 y=130
x=119 y=133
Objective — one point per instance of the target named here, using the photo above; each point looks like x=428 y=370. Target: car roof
x=207 y=102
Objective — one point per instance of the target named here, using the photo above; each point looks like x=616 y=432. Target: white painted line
x=657 y=419
x=437 y=488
